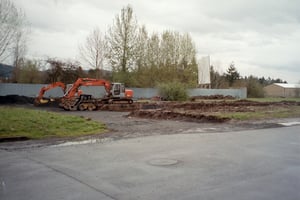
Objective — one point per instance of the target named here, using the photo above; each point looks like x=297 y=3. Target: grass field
x=35 y=124
x=288 y=112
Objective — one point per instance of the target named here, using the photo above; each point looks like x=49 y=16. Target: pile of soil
x=16 y=99
x=172 y=115
x=202 y=111
x=215 y=97
x=213 y=106
x=119 y=107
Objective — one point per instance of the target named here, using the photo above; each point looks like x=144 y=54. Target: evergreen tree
x=232 y=75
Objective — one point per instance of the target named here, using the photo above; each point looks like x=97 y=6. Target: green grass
x=35 y=124
x=288 y=112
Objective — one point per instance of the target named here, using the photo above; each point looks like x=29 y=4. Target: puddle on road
x=82 y=142
x=289 y=123
x=154 y=162
x=163 y=162
x=200 y=130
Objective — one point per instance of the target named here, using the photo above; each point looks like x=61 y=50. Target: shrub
x=173 y=91
x=254 y=89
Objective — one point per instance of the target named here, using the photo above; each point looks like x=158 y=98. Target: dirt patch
x=193 y=111
x=172 y=115
x=212 y=97
x=202 y=111
x=120 y=107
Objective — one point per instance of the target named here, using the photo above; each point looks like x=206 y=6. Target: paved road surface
x=256 y=164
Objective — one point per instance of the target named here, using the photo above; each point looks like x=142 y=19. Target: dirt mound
x=189 y=111
x=172 y=115
x=119 y=107
x=212 y=106
x=16 y=99
x=212 y=97
x=203 y=111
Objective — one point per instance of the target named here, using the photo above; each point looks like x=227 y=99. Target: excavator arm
x=87 y=82
x=38 y=99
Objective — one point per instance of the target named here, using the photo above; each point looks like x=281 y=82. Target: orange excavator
x=40 y=98
x=75 y=100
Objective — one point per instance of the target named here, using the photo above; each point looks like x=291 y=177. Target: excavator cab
x=118 y=91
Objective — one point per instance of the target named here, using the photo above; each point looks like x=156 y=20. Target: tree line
x=136 y=57
x=232 y=79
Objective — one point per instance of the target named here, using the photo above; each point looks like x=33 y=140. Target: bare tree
x=11 y=21
x=121 y=39
x=19 y=48
x=93 y=51
x=154 y=50
x=141 y=48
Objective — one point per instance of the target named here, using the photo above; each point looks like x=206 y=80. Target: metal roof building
x=282 y=90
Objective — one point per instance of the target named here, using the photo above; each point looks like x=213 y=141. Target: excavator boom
x=87 y=82
x=39 y=98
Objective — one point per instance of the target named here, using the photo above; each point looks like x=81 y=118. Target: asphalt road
x=256 y=164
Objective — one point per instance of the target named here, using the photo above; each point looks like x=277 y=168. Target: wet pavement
x=248 y=164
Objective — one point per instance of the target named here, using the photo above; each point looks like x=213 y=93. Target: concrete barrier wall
x=139 y=93
x=29 y=90
x=32 y=90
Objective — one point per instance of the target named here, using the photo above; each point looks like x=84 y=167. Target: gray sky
x=262 y=38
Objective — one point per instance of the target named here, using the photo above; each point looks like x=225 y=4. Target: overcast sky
x=262 y=38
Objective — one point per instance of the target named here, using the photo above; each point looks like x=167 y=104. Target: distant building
x=282 y=90
x=6 y=72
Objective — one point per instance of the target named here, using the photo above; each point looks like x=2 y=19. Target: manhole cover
x=163 y=162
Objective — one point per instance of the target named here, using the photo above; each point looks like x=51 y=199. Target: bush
x=173 y=91
x=254 y=89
